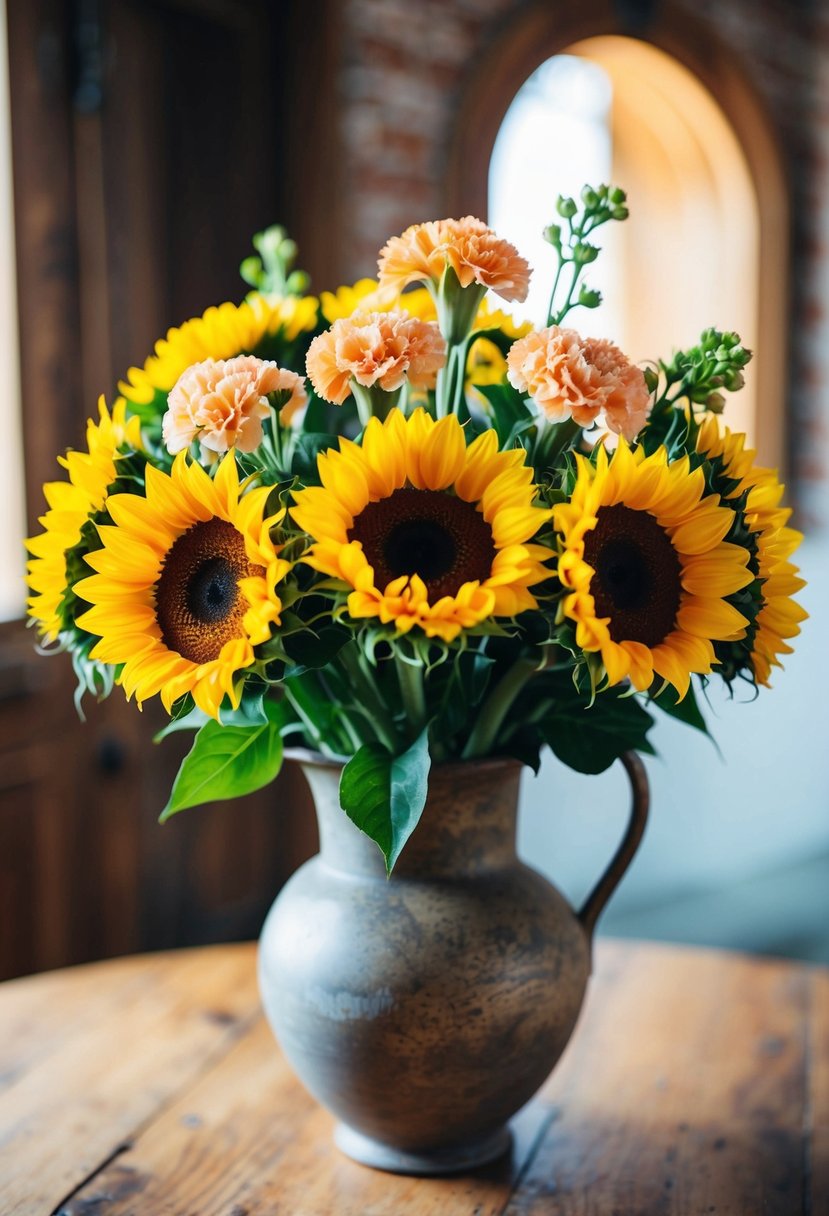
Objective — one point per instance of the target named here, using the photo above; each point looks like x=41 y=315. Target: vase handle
x=596 y=901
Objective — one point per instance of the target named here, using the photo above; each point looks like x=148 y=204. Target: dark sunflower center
x=198 y=604
x=212 y=591
x=435 y=535
x=637 y=580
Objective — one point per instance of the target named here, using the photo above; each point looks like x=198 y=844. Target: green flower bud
x=589 y=197
x=651 y=379
x=734 y=381
x=584 y=252
x=715 y=403
x=566 y=207
x=588 y=298
x=620 y=213
x=617 y=196
x=552 y=235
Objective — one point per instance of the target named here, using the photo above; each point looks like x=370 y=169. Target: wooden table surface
x=697 y=1082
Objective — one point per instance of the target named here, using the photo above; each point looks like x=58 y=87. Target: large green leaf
x=228 y=761
x=590 y=739
x=385 y=795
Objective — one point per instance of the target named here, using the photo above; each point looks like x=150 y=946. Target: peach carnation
x=573 y=377
x=222 y=402
x=474 y=252
x=381 y=348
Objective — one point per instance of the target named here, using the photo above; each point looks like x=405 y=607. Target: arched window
x=706 y=240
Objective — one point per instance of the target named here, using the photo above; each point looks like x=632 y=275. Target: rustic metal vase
x=424 y=1010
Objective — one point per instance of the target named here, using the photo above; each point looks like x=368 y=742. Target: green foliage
x=590 y=739
x=228 y=761
x=511 y=416
x=687 y=710
x=384 y=795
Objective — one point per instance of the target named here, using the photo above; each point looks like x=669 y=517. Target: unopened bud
x=734 y=381
x=585 y=253
x=552 y=235
x=589 y=298
x=620 y=213
x=589 y=197
x=715 y=403
x=566 y=207
x=617 y=196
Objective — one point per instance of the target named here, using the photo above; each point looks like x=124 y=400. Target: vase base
x=433 y=1162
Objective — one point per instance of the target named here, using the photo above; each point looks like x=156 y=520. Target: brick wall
x=404 y=65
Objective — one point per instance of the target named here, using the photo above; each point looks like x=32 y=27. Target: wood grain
x=697 y=1082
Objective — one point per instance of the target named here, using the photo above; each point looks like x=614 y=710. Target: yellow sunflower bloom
x=221 y=333
x=647 y=569
x=71 y=503
x=426 y=531
x=186 y=585
x=779 y=617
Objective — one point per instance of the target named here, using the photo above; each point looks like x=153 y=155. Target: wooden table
x=697 y=1082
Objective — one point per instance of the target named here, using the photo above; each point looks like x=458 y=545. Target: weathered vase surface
x=423 y=1010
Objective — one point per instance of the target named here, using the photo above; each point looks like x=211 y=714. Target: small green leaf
x=311 y=649
x=251 y=708
x=384 y=795
x=193 y=719
x=309 y=444
x=687 y=710
x=228 y=761
x=589 y=740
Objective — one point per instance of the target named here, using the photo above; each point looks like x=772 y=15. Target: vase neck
x=467 y=826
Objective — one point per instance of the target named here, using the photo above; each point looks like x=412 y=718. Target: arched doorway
x=707 y=241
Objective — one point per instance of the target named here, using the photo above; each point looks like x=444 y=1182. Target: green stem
x=550 y=315
x=308 y=725
x=410 y=679
x=364 y=687
x=497 y=706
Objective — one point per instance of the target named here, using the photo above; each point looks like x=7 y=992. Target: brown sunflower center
x=426 y=532
x=198 y=604
x=637 y=580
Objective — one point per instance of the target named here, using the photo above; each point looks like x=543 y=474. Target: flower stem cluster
x=574 y=251
x=272 y=271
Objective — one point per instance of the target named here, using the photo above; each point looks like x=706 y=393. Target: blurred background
x=143 y=142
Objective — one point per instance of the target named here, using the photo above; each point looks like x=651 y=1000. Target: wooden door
x=150 y=141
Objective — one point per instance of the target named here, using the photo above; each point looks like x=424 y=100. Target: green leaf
x=193 y=719
x=384 y=795
x=687 y=710
x=312 y=649
x=511 y=415
x=227 y=762
x=591 y=739
x=251 y=708
x=309 y=444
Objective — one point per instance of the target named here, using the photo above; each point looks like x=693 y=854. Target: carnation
x=375 y=348
x=573 y=377
x=222 y=403
x=475 y=253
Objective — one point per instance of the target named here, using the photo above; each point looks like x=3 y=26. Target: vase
x=423 y=1010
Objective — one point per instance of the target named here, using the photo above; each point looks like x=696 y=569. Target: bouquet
x=396 y=527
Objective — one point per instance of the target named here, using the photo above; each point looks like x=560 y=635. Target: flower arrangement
x=395 y=527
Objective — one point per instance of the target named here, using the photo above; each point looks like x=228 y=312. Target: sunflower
x=756 y=493
x=71 y=503
x=186 y=584
x=426 y=531
x=221 y=333
x=643 y=557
